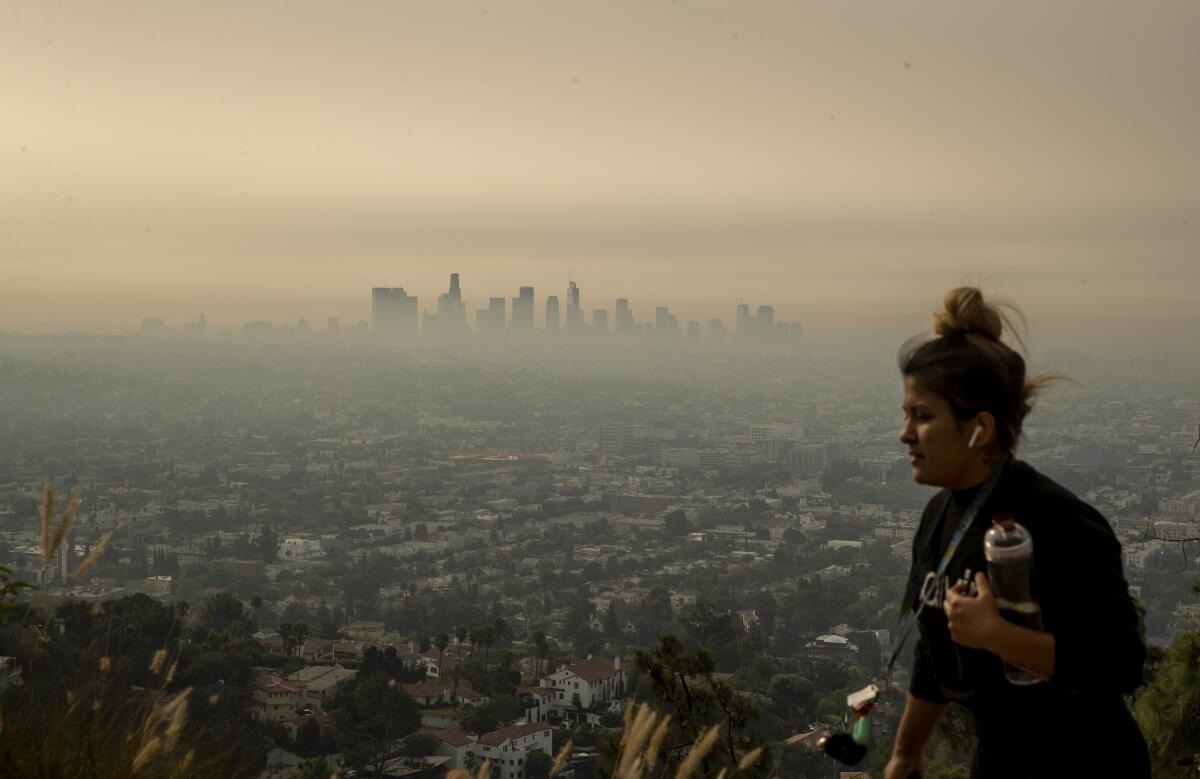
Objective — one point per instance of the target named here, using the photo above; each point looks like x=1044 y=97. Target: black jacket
x=1055 y=726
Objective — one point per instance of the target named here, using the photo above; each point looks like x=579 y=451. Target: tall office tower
x=616 y=438
x=600 y=320
x=665 y=323
x=451 y=316
x=623 y=318
x=766 y=322
x=552 y=313
x=490 y=321
x=522 y=311
x=743 y=319
x=574 y=312
x=393 y=312
x=693 y=330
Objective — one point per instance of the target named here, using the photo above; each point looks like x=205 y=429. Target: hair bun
x=965 y=312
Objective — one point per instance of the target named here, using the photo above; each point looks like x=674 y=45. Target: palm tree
x=460 y=633
x=501 y=628
x=541 y=647
x=301 y=633
x=441 y=642
x=488 y=637
x=287 y=631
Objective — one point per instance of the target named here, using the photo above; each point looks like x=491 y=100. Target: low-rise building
x=508 y=748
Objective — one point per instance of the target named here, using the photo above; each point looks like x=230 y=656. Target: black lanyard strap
x=964 y=525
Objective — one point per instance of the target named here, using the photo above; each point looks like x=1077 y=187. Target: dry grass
x=54 y=534
x=643 y=743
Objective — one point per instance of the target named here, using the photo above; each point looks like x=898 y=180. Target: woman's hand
x=904 y=767
x=972 y=619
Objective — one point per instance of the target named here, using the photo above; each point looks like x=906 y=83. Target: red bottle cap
x=1005 y=520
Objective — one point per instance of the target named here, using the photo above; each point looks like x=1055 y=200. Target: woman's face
x=936 y=440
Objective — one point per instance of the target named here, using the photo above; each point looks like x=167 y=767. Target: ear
x=986 y=423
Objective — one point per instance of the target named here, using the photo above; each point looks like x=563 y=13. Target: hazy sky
x=845 y=161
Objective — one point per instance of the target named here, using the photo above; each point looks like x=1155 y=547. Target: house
x=366 y=630
x=831 y=645
x=507 y=748
x=294 y=724
x=317 y=650
x=468 y=695
x=275 y=699
x=427 y=693
x=580 y=685
x=454 y=744
x=537 y=702
x=322 y=681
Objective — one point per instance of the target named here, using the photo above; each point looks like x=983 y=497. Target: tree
x=224 y=613
x=676 y=523
x=1166 y=711
x=541 y=649
x=478 y=719
x=655 y=615
x=441 y=642
x=371 y=715
x=681 y=685
x=538 y=765
x=313 y=768
x=267 y=545
x=793 y=697
x=419 y=745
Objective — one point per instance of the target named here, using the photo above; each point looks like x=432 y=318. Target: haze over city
x=844 y=163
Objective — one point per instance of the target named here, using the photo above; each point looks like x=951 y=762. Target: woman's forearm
x=1031 y=650
x=916 y=726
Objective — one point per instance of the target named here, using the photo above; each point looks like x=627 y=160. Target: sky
x=846 y=162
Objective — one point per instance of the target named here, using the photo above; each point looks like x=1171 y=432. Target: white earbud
x=974 y=436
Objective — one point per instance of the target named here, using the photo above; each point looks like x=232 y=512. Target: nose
x=908 y=433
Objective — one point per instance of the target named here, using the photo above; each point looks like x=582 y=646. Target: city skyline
x=846 y=163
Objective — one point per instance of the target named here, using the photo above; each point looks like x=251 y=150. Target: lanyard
x=964 y=525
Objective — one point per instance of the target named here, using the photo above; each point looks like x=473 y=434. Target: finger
x=982 y=586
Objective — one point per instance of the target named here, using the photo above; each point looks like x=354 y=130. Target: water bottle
x=1008 y=548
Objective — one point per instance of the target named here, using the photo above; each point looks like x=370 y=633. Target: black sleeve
x=923 y=683
x=1098 y=642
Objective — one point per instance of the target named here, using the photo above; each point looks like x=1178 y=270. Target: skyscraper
x=743 y=319
x=623 y=317
x=574 y=312
x=522 y=311
x=766 y=322
x=393 y=312
x=665 y=323
x=490 y=321
x=451 y=316
x=600 y=320
x=552 y=313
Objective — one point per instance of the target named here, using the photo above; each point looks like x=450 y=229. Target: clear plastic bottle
x=1008 y=548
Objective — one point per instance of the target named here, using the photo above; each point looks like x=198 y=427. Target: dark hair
x=968 y=365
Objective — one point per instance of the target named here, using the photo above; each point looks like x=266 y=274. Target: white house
x=454 y=744
x=598 y=679
x=508 y=748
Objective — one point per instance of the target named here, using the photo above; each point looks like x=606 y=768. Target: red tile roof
x=498 y=737
x=454 y=737
x=594 y=670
